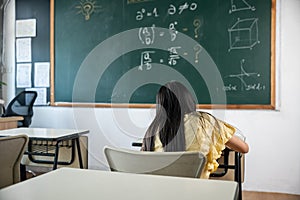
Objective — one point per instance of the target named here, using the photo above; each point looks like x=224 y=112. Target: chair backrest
x=22 y=105
x=181 y=164
x=11 y=151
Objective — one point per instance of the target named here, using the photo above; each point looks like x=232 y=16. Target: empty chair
x=11 y=152
x=21 y=105
x=181 y=164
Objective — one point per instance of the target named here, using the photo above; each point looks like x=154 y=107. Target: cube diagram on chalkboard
x=243 y=34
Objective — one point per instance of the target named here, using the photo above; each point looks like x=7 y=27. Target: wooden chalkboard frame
x=272 y=104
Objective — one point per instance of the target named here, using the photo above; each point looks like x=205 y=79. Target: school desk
x=79 y=184
x=45 y=135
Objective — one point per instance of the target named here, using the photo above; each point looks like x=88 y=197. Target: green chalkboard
x=119 y=52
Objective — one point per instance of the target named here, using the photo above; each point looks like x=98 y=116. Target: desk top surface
x=43 y=133
x=78 y=184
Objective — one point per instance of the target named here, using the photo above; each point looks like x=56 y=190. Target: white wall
x=9 y=49
x=273 y=162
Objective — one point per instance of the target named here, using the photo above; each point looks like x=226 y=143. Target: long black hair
x=173 y=102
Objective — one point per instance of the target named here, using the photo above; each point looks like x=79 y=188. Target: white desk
x=48 y=134
x=82 y=184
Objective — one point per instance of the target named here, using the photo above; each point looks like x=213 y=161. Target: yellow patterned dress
x=206 y=134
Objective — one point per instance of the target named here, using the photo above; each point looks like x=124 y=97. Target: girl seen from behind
x=177 y=126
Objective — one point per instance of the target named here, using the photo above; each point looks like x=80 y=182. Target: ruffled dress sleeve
x=220 y=133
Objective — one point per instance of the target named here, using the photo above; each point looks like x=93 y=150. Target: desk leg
x=237 y=173
x=56 y=155
x=79 y=152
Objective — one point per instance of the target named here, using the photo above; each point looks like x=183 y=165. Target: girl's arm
x=236 y=144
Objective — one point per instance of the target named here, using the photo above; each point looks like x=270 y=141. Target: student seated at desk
x=177 y=126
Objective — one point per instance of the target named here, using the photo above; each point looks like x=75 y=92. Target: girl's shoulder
x=203 y=115
x=200 y=117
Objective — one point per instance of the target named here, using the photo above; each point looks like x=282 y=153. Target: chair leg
x=31 y=172
x=22 y=172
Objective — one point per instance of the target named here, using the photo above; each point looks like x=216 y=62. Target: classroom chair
x=21 y=105
x=11 y=151
x=181 y=164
